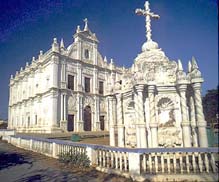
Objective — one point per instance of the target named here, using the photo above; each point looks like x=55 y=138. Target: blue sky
x=186 y=28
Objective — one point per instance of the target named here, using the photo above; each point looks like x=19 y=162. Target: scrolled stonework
x=169 y=137
x=72 y=103
x=88 y=101
x=102 y=106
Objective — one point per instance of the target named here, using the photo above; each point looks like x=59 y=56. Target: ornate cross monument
x=148 y=15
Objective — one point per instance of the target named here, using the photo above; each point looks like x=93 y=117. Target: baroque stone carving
x=88 y=101
x=72 y=102
x=102 y=106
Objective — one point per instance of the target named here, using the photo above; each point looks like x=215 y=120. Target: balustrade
x=128 y=161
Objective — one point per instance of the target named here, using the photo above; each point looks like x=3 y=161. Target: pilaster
x=140 y=126
x=153 y=123
x=201 y=123
x=120 y=125
x=111 y=121
x=185 y=121
x=193 y=122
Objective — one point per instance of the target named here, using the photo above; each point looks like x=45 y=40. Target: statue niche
x=168 y=133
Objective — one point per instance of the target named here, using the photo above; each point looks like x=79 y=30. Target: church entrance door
x=102 y=123
x=70 y=126
x=87 y=118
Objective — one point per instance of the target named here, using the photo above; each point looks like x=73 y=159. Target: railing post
x=92 y=155
x=54 y=150
x=134 y=163
x=19 y=142
x=31 y=144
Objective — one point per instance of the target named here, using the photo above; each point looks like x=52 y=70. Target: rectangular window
x=87 y=84
x=101 y=87
x=71 y=82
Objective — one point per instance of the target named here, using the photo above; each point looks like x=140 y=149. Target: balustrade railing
x=128 y=161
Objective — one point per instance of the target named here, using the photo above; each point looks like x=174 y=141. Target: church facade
x=155 y=103
x=158 y=104
x=64 y=89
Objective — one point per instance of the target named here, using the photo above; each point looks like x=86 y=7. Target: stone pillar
x=201 y=123
x=140 y=126
x=95 y=81
x=120 y=125
x=79 y=113
x=79 y=78
x=111 y=122
x=63 y=75
x=193 y=122
x=97 y=114
x=153 y=123
x=63 y=122
x=54 y=110
x=185 y=121
x=54 y=72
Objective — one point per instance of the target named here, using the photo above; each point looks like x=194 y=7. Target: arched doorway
x=87 y=118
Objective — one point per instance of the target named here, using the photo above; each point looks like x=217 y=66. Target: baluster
x=174 y=162
x=104 y=158
x=187 y=162
x=194 y=163
x=112 y=159
x=162 y=163
x=213 y=163
x=206 y=163
x=120 y=161
x=168 y=162
x=156 y=163
x=181 y=163
x=125 y=161
x=116 y=157
x=200 y=164
x=100 y=158
x=108 y=159
x=150 y=163
x=144 y=162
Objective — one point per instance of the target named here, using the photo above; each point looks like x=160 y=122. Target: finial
x=78 y=29
x=41 y=52
x=189 y=67
x=148 y=15
x=11 y=76
x=111 y=61
x=16 y=73
x=33 y=59
x=55 y=46
x=86 y=24
x=21 y=69
x=54 y=40
x=62 y=44
x=27 y=64
x=180 y=68
x=105 y=60
x=194 y=63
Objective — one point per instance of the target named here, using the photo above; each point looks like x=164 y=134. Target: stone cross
x=148 y=15
x=86 y=24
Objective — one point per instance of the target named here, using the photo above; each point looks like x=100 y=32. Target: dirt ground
x=20 y=165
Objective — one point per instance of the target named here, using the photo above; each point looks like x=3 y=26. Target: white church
x=154 y=103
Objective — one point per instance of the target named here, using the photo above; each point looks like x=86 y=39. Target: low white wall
x=156 y=164
x=5 y=132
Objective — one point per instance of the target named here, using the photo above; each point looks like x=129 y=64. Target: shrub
x=75 y=158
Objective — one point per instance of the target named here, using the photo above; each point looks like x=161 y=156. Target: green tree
x=210 y=105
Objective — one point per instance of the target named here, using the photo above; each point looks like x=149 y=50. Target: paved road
x=18 y=165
